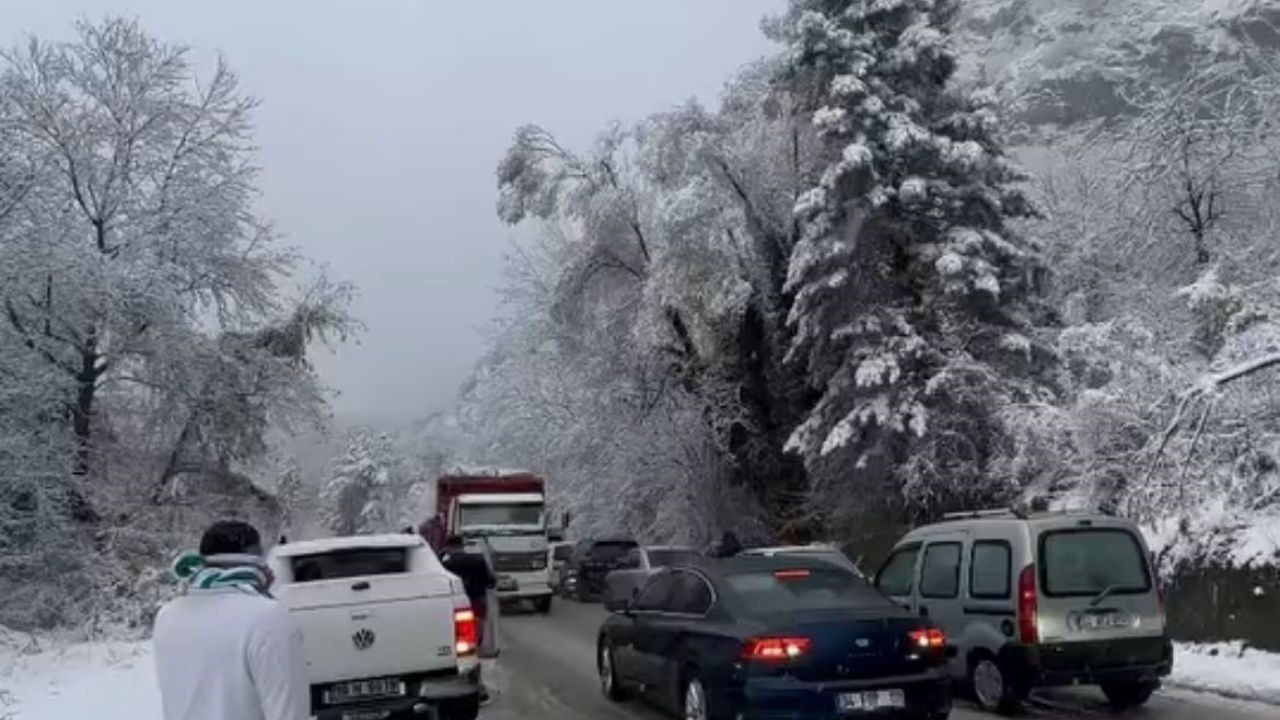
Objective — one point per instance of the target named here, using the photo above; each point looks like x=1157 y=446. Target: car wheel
x=1125 y=695
x=609 y=683
x=991 y=689
x=697 y=706
x=542 y=605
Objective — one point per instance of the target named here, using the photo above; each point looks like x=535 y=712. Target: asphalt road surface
x=547 y=672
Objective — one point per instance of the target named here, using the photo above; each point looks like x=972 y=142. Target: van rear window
x=356 y=562
x=1088 y=562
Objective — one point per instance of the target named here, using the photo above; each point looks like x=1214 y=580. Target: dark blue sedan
x=756 y=638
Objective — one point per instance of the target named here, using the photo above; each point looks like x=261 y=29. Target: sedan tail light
x=465 y=635
x=775 y=649
x=927 y=638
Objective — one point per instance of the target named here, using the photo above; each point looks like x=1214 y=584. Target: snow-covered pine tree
x=911 y=309
x=362 y=495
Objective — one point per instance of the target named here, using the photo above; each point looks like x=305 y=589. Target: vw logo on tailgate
x=363 y=639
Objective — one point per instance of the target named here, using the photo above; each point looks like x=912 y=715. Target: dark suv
x=590 y=562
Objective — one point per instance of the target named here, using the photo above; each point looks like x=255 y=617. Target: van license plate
x=1087 y=621
x=871 y=700
x=353 y=690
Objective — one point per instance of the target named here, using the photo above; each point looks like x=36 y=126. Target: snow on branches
x=908 y=272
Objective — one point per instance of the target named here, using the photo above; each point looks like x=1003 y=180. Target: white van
x=1037 y=600
x=387 y=629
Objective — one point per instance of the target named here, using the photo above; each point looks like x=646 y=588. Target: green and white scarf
x=195 y=572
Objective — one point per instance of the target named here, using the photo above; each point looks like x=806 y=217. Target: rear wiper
x=1106 y=592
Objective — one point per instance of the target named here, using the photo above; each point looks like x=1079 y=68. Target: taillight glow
x=791 y=574
x=1028 y=607
x=927 y=638
x=775 y=649
x=465 y=637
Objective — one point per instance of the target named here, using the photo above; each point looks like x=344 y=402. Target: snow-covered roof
x=323 y=545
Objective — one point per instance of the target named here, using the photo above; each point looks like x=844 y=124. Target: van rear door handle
x=362 y=585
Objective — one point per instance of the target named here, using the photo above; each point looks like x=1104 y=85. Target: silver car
x=1037 y=600
x=638 y=564
x=820 y=551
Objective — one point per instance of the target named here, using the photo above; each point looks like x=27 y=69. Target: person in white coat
x=225 y=648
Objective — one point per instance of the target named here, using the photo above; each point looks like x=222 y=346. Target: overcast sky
x=382 y=122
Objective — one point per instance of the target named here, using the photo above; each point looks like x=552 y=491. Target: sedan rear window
x=1088 y=562
x=764 y=592
x=360 y=562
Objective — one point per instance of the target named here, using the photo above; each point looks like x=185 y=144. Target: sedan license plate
x=354 y=690
x=871 y=701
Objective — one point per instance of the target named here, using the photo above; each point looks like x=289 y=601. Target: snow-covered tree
x=365 y=490
x=911 y=284
x=131 y=259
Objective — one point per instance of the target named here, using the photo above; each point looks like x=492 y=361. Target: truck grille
x=519 y=562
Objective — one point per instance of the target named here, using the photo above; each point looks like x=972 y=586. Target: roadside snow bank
x=1227 y=668
x=103 y=680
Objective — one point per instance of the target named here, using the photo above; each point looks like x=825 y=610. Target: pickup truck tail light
x=465 y=635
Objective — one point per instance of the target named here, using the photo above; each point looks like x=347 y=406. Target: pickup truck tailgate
x=375 y=626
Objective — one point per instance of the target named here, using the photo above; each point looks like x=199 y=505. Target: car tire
x=542 y=605
x=992 y=688
x=1126 y=695
x=695 y=703
x=580 y=594
x=610 y=685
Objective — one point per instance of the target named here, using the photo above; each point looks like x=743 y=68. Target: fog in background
x=382 y=122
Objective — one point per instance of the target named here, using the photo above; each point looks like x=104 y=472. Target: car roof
x=721 y=567
x=791 y=549
x=354 y=542
x=1038 y=520
x=612 y=540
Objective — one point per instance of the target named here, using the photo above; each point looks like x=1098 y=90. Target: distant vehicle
x=387 y=629
x=590 y=562
x=772 y=637
x=820 y=551
x=508 y=511
x=1036 y=600
x=641 y=562
x=557 y=559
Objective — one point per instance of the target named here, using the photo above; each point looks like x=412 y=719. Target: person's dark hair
x=231 y=537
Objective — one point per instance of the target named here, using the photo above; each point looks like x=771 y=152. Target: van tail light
x=775 y=649
x=926 y=639
x=1028 y=607
x=465 y=637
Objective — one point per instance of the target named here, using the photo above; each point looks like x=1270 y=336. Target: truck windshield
x=496 y=515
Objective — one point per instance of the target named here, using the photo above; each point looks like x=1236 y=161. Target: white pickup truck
x=388 y=630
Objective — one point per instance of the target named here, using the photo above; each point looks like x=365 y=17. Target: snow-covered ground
x=1229 y=669
x=102 y=680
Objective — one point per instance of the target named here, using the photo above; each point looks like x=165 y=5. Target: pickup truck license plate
x=352 y=690
x=871 y=700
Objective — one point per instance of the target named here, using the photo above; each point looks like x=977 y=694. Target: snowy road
x=547 y=673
